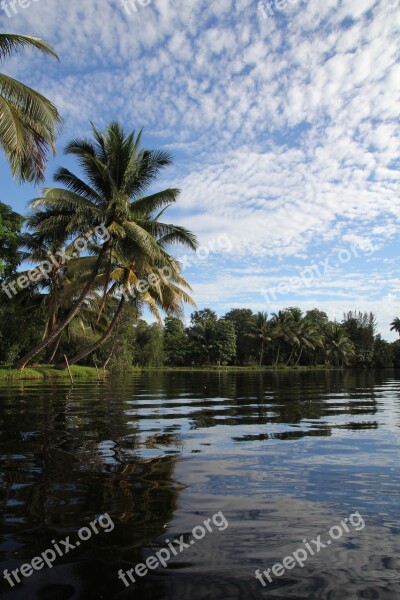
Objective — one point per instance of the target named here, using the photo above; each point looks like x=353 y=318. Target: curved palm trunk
x=22 y=362
x=290 y=357
x=109 y=357
x=299 y=357
x=100 y=341
x=55 y=348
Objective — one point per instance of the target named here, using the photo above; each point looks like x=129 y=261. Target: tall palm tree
x=395 y=325
x=117 y=173
x=28 y=120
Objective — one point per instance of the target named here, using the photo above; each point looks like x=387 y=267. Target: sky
x=283 y=120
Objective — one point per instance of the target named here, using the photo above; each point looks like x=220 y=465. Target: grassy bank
x=49 y=372
x=253 y=369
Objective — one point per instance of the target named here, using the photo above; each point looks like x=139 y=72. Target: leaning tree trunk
x=56 y=346
x=109 y=357
x=100 y=341
x=290 y=357
x=22 y=362
x=299 y=357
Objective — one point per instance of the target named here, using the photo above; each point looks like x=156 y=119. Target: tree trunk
x=22 y=362
x=299 y=357
x=109 y=357
x=100 y=341
x=290 y=357
x=262 y=353
x=277 y=357
x=56 y=346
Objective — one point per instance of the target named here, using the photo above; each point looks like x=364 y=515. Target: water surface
x=284 y=456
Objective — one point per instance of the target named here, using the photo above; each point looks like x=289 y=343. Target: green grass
x=48 y=372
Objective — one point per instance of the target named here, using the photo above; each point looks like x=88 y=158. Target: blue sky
x=284 y=127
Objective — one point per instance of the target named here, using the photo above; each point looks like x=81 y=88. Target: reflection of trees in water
x=275 y=397
x=73 y=457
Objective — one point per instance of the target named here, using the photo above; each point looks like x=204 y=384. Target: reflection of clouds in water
x=266 y=527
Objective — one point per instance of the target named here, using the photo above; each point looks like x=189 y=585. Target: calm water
x=284 y=456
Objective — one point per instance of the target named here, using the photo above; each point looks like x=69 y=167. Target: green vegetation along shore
x=49 y=372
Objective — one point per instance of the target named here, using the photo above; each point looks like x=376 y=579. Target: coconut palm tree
x=117 y=173
x=54 y=289
x=28 y=120
x=283 y=330
x=37 y=250
x=261 y=329
x=309 y=338
x=166 y=293
x=338 y=347
x=395 y=325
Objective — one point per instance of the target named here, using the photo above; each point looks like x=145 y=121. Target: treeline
x=288 y=337
x=243 y=338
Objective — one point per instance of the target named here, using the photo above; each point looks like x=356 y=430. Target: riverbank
x=236 y=369
x=49 y=372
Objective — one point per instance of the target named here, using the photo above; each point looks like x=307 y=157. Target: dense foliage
x=241 y=337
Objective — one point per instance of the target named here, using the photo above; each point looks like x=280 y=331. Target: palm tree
x=338 y=347
x=395 y=325
x=261 y=330
x=37 y=249
x=28 y=120
x=58 y=285
x=117 y=173
x=309 y=338
x=166 y=294
x=283 y=330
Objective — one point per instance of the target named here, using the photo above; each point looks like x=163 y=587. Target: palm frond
x=10 y=43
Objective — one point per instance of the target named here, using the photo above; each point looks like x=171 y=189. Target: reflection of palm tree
x=338 y=347
x=395 y=325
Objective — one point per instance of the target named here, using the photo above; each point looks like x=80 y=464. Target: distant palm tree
x=260 y=329
x=309 y=338
x=395 y=325
x=338 y=347
x=28 y=120
x=283 y=329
